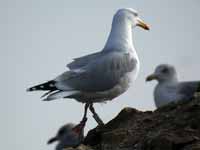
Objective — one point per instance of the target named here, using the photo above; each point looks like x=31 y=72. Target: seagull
x=169 y=89
x=104 y=75
x=69 y=135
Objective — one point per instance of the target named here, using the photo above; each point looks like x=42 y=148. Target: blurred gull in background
x=69 y=135
x=169 y=89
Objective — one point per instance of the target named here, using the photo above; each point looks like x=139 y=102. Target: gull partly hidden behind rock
x=169 y=89
x=69 y=135
x=103 y=75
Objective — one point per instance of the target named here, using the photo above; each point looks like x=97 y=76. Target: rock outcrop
x=172 y=127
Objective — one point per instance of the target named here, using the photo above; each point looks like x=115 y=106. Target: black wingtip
x=47 y=86
x=46 y=99
x=29 y=90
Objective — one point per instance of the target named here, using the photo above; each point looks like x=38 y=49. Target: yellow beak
x=151 y=77
x=142 y=24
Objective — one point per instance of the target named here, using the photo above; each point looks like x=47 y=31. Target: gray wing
x=83 y=61
x=100 y=75
x=188 y=89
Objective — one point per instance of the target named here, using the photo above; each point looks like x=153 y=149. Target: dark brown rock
x=172 y=127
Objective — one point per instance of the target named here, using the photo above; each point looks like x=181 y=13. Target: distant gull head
x=163 y=73
x=69 y=135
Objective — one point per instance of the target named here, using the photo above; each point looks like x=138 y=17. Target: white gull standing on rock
x=104 y=75
x=169 y=89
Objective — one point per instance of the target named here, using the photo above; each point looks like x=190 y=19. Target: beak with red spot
x=142 y=24
x=80 y=127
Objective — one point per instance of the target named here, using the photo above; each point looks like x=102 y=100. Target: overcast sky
x=39 y=37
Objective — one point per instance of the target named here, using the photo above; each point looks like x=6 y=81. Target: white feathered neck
x=120 y=37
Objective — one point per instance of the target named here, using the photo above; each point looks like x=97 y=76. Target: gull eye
x=136 y=14
x=61 y=132
x=164 y=70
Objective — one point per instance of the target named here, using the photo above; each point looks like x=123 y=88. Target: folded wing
x=82 y=61
x=100 y=74
x=188 y=89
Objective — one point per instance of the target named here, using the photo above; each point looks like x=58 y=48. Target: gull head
x=163 y=73
x=67 y=135
x=131 y=16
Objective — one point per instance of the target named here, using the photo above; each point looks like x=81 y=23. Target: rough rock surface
x=172 y=127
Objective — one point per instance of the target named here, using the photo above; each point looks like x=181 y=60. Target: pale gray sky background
x=39 y=37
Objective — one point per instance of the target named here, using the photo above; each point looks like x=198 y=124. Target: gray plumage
x=103 y=75
x=100 y=74
x=83 y=61
x=169 y=89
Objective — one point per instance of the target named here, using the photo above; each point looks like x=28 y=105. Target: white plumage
x=103 y=75
x=169 y=89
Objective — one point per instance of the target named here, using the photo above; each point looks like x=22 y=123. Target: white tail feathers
x=60 y=94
